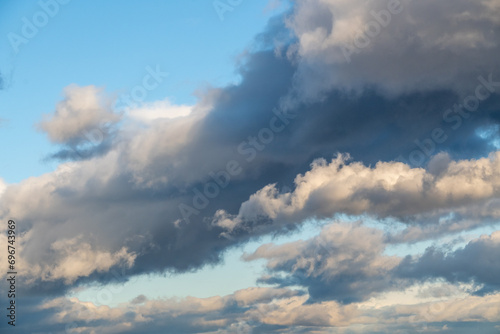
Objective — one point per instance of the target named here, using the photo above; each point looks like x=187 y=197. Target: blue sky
x=306 y=166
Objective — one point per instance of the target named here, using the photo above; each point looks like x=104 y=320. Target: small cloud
x=83 y=115
x=139 y=299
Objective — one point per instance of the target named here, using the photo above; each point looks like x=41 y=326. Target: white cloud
x=387 y=189
x=3 y=186
x=71 y=259
x=80 y=259
x=157 y=110
x=83 y=112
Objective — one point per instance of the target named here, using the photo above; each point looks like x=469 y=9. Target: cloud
x=286 y=311
x=187 y=315
x=83 y=114
x=350 y=282
x=159 y=110
x=3 y=186
x=79 y=259
x=354 y=44
x=344 y=263
x=388 y=189
x=150 y=171
x=476 y=262
x=70 y=260
x=459 y=310
x=124 y=196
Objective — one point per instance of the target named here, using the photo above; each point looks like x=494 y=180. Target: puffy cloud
x=388 y=189
x=396 y=46
x=70 y=259
x=3 y=186
x=344 y=263
x=477 y=262
x=78 y=259
x=347 y=263
x=82 y=114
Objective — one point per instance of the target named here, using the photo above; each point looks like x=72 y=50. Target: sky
x=235 y=166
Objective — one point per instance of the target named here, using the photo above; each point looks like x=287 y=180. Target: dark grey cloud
x=476 y=263
x=395 y=46
x=344 y=263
